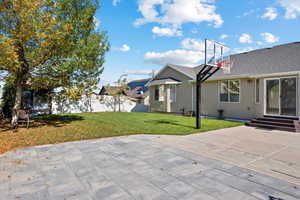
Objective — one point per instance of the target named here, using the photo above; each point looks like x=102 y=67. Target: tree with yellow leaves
x=50 y=43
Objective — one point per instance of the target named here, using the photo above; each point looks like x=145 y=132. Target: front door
x=281 y=96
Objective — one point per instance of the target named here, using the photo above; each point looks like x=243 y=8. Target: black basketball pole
x=198 y=101
x=205 y=73
x=198 y=90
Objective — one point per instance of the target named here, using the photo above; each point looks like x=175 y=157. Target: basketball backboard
x=217 y=55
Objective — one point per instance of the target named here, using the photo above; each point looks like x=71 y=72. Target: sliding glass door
x=288 y=94
x=281 y=96
x=272 y=101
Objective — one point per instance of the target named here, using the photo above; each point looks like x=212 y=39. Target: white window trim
x=161 y=93
x=265 y=96
x=219 y=92
x=256 y=91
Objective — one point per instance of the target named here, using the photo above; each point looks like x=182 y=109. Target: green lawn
x=61 y=128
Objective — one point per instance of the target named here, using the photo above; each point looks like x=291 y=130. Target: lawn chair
x=23 y=117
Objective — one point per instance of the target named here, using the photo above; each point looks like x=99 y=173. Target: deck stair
x=276 y=123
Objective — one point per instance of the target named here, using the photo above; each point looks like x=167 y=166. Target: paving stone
x=246 y=186
x=130 y=168
x=37 y=195
x=198 y=195
x=110 y=193
x=179 y=189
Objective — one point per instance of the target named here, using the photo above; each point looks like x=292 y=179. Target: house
x=107 y=90
x=134 y=98
x=137 y=91
x=263 y=82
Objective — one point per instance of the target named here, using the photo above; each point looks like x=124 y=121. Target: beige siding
x=155 y=106
x=298 y=95
x=245 y=109
x=183 y=93
x=169 y=72
x=183 y=98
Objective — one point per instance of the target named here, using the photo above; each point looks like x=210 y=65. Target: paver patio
x=275 y=153
x=149 y=167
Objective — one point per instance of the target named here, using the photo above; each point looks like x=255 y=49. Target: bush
x=8 y=98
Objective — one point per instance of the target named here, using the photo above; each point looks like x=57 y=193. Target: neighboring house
x=107 y=90
x=261 y=82
x=136 y=91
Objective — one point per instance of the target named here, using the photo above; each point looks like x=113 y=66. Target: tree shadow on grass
x=170 y=122
x=57 y=120
x=45 y=120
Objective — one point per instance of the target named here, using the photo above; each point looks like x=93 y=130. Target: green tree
x=8 y=97
x=45 y=44
x=118 y=91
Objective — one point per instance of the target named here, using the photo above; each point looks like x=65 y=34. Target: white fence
x=96 y=103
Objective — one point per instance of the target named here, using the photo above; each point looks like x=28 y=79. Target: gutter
x=252 y=76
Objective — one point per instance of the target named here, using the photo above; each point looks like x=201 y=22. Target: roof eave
x=253 y=76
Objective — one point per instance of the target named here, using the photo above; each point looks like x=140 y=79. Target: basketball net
x=225 y=65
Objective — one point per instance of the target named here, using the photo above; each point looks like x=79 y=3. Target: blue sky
x=147 y=34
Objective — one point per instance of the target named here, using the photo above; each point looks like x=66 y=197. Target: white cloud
x=116 y=2
x=242 y=50
x=245 y=38
x=194 y=31
x=224 y=36
x=193 y=44
x=269 y=37
x=271 y=14
x=179 y=56
x=292 y=8
x=259 y=43
x=199 y=45
x=97 y=22
x=124 y=48
x=139 y=72
x=178 y=12
x=250 y=12
x=169 y=32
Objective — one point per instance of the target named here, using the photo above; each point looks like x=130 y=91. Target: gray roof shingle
x=278 y=59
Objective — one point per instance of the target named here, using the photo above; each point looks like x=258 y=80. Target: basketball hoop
x=216 y=57
x=225 y=65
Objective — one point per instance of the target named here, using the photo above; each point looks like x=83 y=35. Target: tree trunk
x=20 y=80
x=18 y=100
x=50 y=98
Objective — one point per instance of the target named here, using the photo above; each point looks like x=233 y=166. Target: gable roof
x=105 y=90
x=188 y=71
x=278 y=59
x=140 y=84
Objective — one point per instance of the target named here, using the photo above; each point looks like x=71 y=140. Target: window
x=257 y=91
x=159 y=93
x=224 y=91
x=230 y=91
x=156 y=94
x=173 y=93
